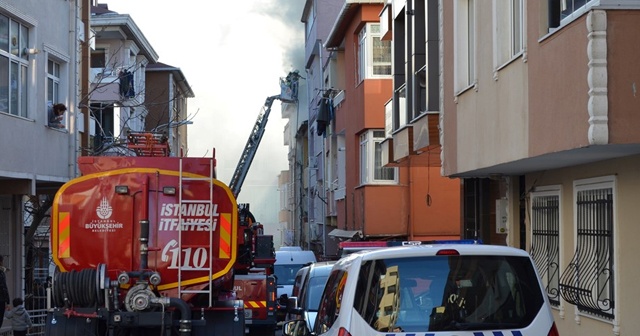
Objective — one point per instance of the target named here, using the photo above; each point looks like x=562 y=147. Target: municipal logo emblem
x=104 y=210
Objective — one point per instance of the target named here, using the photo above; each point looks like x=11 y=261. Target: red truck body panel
x=93 y=224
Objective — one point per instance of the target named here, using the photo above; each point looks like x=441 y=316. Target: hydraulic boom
x=289 y=94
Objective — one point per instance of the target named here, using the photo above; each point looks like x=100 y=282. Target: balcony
x=426 y=131
x=109 y=84
x=403 y=143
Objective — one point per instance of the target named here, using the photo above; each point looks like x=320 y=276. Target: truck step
x=192 y=291
x=194 y=269
x=196 y=178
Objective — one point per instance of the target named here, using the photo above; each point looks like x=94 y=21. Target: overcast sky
x=232 y=54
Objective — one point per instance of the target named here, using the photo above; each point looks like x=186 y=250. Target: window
x=314 y=289
x=330 y=301
x=571 y=8
x=587 y=282
x=441 y=293
x=98 y=58
x=388 y=118
x=545 y=241
x=562 y=12
x=374 y=55
x=286 y=273
x=509 y=30
x=340 y=168
x=464 y=49
x=105 y=127
x=371 y=169
x=399 y=108
x=53 y=82
x=13 y=66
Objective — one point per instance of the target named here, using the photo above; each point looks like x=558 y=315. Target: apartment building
x=365 y=199
x=318 y=18
x=292 y=183
x=38 y=67
x=166 y=94
x=42 y=48
x=119 y=57
x=537 y=117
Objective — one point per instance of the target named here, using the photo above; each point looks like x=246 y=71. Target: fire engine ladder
x=288 y=94
x=182 y=244
x=251 y=147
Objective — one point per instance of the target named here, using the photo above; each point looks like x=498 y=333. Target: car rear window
x=444 y=293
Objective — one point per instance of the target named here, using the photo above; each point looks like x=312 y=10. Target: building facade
x=367 y=193
x=411 y=133
x=293 y=215
x=318 y=17
x=119 y=57
x=39 y=53
x=537 y=118
x=167 y=92
x=90 y=59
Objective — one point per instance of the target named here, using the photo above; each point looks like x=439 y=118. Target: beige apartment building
x=537 y=116
x=539 y=99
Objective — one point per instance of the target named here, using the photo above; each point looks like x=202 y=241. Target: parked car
x=288 y=262
x=440 y=290
x=304 y=303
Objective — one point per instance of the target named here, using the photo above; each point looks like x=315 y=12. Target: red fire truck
x=151 y=244
x=146 y=246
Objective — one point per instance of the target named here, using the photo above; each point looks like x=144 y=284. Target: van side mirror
x=283 y=299
x=295 y=327
x=292 y=303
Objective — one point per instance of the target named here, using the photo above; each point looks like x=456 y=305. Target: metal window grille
x=545 y=247
x=588 y=280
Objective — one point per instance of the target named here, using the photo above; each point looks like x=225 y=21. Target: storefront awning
x=345 y=234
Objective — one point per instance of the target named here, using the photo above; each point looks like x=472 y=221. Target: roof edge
x=335 y=34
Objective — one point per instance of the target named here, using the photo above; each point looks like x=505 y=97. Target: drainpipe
x=84 y=74
x=324 y=170
x=73 y=102
x=409 y=213
x=172 y=116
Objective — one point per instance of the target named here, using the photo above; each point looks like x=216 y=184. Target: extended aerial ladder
x=254 y=282
x=289 y=93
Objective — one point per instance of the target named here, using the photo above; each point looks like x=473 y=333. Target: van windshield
x=286 y=274
x=445 y=293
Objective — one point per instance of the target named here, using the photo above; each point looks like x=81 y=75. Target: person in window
x=56 y=115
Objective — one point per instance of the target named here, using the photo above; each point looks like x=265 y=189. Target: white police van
x=433 y=290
